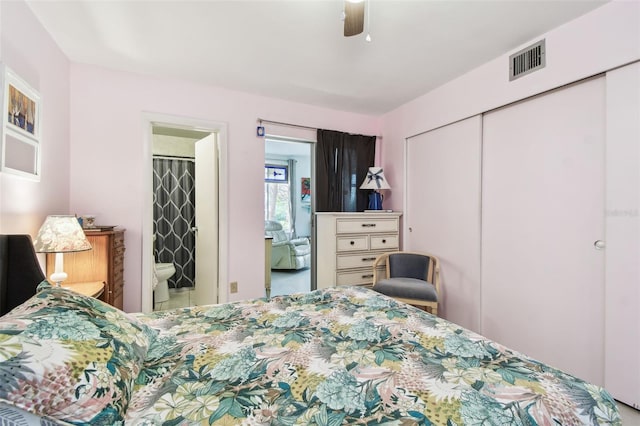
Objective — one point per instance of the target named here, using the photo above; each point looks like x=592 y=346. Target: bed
x=329 y=357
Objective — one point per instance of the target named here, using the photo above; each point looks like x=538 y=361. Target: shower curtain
x=174 y=217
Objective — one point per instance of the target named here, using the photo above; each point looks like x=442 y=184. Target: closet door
x=542 y=213
x=442 y=212
x=622 y=317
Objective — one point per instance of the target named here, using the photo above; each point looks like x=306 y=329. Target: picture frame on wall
x=21 y=128
x=305 y=189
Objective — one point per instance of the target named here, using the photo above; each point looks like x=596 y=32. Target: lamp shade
x=61 y=234
x=375 y=179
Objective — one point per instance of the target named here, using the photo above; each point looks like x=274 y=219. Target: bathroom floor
x=178 y=298
x=282 y=282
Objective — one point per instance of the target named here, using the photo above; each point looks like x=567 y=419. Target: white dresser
x=348 y=243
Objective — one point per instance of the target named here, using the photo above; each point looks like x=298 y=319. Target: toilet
x=163 y=272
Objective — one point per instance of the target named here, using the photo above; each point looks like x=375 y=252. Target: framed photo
x=21 y=109
x=305 y=189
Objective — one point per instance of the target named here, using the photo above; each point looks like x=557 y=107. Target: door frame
x=150 y=119
x=312 y=163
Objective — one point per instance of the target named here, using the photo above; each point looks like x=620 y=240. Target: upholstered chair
x=413 y=278
x=287 y=253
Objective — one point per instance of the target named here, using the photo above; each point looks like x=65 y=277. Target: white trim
x=149 y=119
x=406 y=215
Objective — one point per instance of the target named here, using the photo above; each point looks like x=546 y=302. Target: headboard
x=20 y=271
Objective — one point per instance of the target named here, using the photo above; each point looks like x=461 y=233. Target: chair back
x=408 y=265
x=274 y=229
x=20 y=271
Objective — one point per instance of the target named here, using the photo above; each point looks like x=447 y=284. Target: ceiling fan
x=353 y=17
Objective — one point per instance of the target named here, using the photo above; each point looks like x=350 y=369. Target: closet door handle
x=599 y=245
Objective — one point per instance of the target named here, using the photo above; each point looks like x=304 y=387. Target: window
x=277 y=195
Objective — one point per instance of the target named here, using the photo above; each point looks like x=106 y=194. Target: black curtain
x=342 y=162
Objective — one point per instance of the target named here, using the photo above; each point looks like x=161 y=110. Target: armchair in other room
x=413 y=278
x=20 y=271
x=287 y=253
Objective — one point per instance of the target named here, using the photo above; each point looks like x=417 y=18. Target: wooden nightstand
x=93 y=289
x=104 y=263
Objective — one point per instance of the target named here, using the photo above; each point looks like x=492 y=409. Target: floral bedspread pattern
x=71 y=358
x=345 y=356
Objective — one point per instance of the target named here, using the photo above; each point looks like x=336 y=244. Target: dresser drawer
x=366 y=226
x=355 y=277
x=384 y=242
x=354 y=243
x=355 y=261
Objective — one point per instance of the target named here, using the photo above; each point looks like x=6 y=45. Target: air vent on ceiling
x=526 y=61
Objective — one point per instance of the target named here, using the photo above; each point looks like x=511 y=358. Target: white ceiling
x=295 y=50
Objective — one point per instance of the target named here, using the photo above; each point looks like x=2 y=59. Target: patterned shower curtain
x=174 y=217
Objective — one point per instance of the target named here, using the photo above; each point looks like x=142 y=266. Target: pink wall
x=29 y=51
x=598 y=41
x=107 y=158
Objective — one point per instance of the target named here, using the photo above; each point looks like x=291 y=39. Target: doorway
x=288 y=213
x=185 y=214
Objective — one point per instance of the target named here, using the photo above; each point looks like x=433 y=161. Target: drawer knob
x=368 y=225
x=384 y=241
x=352 y=242
x=368 y=276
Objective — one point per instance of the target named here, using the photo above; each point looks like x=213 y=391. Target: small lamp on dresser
x=375 y=180
x=60 y=234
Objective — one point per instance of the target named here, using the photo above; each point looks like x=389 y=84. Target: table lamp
x=375 y=180
x=60 y=234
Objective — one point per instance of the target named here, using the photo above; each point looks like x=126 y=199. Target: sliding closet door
x=622 y=317
x=542 y=213
x=442 y=214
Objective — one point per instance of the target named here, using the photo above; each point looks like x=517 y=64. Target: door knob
x=599 y=244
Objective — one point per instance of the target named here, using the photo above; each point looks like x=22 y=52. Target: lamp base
x=59 y=275
x=375 y=201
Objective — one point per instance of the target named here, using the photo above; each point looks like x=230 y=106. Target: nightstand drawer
x=355 y=261
x=355 y=278
x=355 y=243
x=366 y=226
x=384 y=242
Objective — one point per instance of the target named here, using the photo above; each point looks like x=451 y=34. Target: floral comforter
x=330 y=357
x=346 y=356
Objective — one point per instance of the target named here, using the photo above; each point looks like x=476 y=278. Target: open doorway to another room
x=180 y=196
x=288 y=214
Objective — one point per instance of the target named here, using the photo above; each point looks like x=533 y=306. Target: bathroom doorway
x=184 y=215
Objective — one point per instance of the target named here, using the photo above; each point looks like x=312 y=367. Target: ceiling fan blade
x=354 y=18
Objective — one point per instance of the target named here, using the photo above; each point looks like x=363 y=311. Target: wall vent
x=527 y=60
